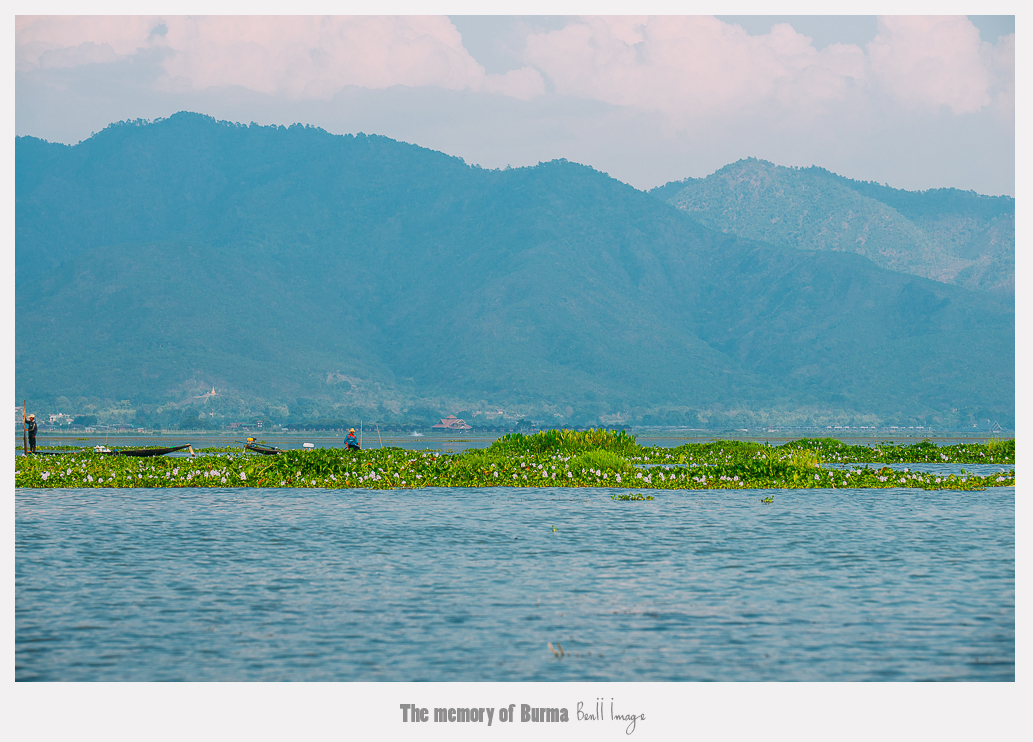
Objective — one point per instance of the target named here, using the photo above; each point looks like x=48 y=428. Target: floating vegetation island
x=552 y=458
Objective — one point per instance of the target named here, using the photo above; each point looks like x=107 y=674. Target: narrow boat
x=147 y=451
x=262 y=449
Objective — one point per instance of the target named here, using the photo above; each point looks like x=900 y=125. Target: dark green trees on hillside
x=951 y=236
x=315 y=274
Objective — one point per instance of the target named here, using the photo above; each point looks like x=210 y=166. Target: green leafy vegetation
x=533 y=461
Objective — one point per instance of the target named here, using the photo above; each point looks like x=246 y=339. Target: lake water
x=471 y=584
x=981 y=470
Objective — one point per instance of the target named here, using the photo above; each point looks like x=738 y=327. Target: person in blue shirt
x=351 y=441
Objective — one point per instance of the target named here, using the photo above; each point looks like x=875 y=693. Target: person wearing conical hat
x=351 y=441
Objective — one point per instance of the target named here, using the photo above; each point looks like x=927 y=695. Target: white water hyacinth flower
x=618 y=477
x=243 y=477
x=45 y=475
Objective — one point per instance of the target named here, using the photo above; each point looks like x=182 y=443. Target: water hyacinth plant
x=552 y=459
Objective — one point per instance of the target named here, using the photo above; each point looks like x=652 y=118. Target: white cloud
x=305 y=56
x=690 y=65
x=73 y=56
x=693 y=67
x=299 y=57
x=645 y=99
x=931 y=60
x=525 y=83
x=999 y=58
x=69 y=38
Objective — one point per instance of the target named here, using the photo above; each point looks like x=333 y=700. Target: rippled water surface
x=981 y=470
x=471 y=584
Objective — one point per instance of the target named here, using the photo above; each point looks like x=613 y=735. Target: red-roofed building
x=452 y=423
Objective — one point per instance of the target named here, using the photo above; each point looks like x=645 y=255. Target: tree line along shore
x=553 y=458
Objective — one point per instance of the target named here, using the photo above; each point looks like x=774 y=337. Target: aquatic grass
x=805 y=458
x=1002 y=448
x=602 y=460
x=402 y=469
x=566 y=441
x=830 y=450
x=717 y=465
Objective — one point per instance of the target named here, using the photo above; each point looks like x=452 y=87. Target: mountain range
x=308 y=275
x=952 y=236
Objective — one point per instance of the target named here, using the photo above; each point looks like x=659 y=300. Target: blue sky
x=915 y=102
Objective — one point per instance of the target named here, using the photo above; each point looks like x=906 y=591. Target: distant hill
x=951 y=236
x=318 y=275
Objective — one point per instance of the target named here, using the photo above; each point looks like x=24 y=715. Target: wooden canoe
x=147 y=451
x=262 y=449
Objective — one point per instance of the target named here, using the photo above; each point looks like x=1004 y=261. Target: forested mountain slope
x=951 y=236
x=345 y=272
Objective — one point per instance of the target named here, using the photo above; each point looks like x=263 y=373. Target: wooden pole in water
x=378 y=436
x=25 y=429
x=360 y=433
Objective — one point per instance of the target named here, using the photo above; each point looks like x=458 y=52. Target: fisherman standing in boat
x=351 y=441
x=31 y=428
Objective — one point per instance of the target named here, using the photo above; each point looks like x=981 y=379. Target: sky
x=916 y=102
